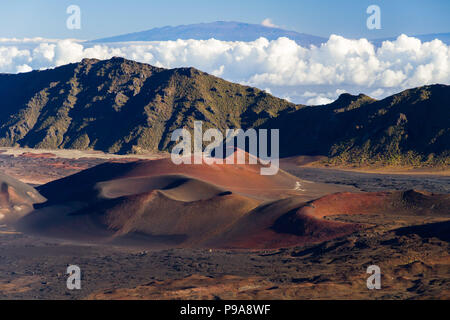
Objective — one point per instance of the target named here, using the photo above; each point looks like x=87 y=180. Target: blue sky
x=101 y=18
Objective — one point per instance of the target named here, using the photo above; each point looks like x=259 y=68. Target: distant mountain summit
x=220 y=30
x=240 y=31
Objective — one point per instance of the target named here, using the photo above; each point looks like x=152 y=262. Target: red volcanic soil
x=65 y=165
x=243 y=179
x=158 y=203
x=307 y=223
x=238 y=178
x=38 y=155
x=174 y=210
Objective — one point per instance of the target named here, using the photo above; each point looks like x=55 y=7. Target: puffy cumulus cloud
x=377 y=93
x=24 y=68
x=30 y=40
x=338 y=63
x=12 y=57
x=319 y=98
x=268 y=23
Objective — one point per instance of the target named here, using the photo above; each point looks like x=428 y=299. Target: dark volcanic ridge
x=76 y=105
x=409 y=128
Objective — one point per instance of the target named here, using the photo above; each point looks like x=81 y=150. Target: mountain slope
x=220 y=30
x=408 y=128
x=122 y=106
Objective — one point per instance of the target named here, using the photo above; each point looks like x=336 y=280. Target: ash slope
x=16 y=199
x=158 y=204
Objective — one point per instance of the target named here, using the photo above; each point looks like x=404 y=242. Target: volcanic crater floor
x=411 y=249
x=414 y=263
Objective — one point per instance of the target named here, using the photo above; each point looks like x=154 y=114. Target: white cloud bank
x=282 y=66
